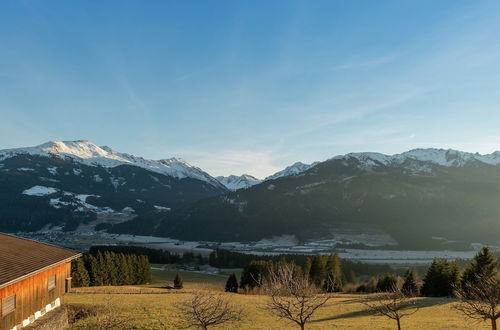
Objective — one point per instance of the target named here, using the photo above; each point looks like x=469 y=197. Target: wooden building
x=33 y=278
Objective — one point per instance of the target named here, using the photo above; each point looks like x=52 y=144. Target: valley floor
x=82 y=241
x=153 y=307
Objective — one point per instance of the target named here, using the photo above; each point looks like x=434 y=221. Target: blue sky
x=251 y=86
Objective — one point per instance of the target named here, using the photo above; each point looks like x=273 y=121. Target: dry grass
x=150 y=307
x=153 y=307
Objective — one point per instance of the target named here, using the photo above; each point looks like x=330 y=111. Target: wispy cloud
x=365 y=63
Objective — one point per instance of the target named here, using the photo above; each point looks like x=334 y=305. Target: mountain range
x=67 y=183
x=422 y=197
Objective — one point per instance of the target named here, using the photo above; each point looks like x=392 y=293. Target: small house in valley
x=33 y=278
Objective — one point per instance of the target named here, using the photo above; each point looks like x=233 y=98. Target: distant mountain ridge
x=234 y=182
x=443 y=157
x=407 y=198
x=294 y=169
x=90 y=154
x=413 y=197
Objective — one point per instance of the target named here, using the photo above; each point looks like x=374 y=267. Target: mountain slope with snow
x=442 y=157
x=88 y=153
x=66 y=184
x=412 y=197
x=294 y=169
x=234 y=182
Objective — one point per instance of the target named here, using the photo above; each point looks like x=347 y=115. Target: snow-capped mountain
x=67 y=184
x=413 y=197
x=234 y=182
x=88 y=153
x=442 y=157
x=294 y=169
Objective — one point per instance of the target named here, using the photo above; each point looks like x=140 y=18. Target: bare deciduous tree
x=207 y=309
x=480 y=300
x=293 y=296
x=393 y=304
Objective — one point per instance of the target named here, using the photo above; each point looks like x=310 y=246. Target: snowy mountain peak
x=294 y=169
x=234 y=182
x=442 y=157
x=90 y=154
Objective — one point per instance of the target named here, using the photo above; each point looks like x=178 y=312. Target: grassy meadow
x=153 y=307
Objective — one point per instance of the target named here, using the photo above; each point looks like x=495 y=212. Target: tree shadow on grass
x=421 y=303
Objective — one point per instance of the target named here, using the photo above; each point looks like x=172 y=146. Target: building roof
x=21 y=258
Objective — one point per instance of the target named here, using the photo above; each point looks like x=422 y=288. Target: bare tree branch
x=207 y=309
x=393 y=304
x=480 y=300
x=292 y=295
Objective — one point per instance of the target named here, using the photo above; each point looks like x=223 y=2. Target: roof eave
x=40 y=270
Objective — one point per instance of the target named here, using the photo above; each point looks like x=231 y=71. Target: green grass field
x=168 y=275
x=152 y=307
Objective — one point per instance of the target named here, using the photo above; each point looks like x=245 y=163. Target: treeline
x=442 y=278
x=155 y=256
x=324 y=271
x=351 y=270
x=110 y=268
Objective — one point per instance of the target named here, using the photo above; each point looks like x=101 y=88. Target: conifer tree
x=317 y=272
x=178 y=282
x=111 y=268
x=410 y=285
x=145 y=270
x=441 y=279
x=129 y=269
x=232 y=284
x=79 y=274
x=94 y=270
x=124 y=275
x=103 y=268
x=212 y=259
x=255 y=273
x=136 y=269
x=333 y=280
x=307 y=266
x=484 y=264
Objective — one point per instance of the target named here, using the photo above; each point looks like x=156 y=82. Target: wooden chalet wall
x=32 y=294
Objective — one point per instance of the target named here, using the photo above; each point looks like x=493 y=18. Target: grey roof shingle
x=20 y=257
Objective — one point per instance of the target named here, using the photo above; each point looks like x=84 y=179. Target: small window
x=52 y=282
x=8 y=304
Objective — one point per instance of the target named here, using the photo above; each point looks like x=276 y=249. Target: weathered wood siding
x=32 y=294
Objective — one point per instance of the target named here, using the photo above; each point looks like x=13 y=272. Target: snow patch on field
x=161 y=208
x=42 y=178
x=128 y=209
x=40 y=191
x=26 y=169
x=57 y=203
x=79 y=203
